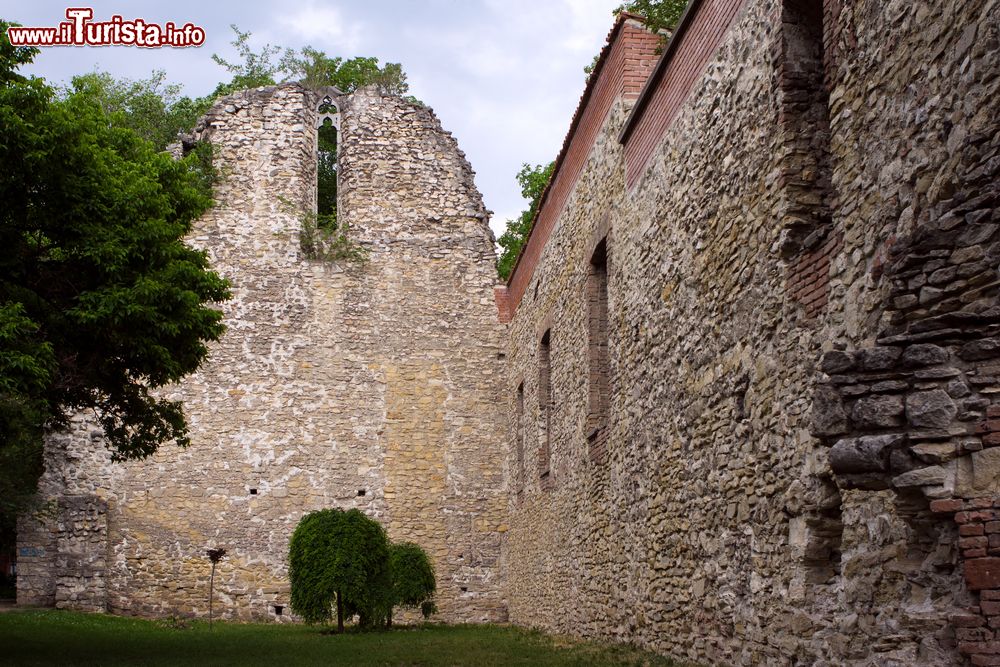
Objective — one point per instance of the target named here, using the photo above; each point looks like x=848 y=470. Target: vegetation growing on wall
x=322 y=238
x=661 y=16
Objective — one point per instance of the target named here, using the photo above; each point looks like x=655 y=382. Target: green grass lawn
x=52 y=637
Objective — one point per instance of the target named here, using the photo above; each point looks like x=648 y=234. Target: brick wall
x=673 y=80
x=624 y=66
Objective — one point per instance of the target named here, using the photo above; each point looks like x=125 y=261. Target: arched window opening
x=328 y=126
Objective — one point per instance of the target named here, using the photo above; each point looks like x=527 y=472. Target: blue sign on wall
x=30 y=552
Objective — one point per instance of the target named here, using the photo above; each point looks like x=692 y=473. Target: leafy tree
x=101 y=301
x=532 y=180
x=314 y=69
x=339 y=558
x=412 y=576
x=155 y=109
x=254 y=70
x=660 y=15
x=151 y=107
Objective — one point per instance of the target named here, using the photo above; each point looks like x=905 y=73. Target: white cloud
x=322 y=25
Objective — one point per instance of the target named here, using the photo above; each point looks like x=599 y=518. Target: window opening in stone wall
x=544 y=409
x=824 y=532
x=805 y=121
x=519 y=441
x=326 y=164
x=597 y=348
x=279 y=610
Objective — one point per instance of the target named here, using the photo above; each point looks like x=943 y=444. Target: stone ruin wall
x=336 y=384
x=798 y=464
x=770 y=307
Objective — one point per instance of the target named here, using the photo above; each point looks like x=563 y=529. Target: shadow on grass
x=52 y=637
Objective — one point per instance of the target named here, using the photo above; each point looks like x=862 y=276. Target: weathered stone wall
x=716 y=529
x=63 y=544
x=797 y=464
x=914 y=310
x=337 y=384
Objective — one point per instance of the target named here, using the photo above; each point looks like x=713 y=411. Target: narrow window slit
x=327 y=138
x=544 y=409
x=519 y=441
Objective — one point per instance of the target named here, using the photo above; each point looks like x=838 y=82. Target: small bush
x=341 y=559
x=321 y=237
x=413 y=583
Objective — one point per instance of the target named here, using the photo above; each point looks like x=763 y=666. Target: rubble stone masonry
x=336 y=384
x=739 y=402
x=800 y=217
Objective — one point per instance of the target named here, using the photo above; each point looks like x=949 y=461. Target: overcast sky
x=503 y=75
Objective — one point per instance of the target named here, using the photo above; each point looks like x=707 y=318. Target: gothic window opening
x=597 y=349
x=544 y=410
x=327 y=130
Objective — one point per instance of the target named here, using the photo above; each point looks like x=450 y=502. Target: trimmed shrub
x=340 y=559
x=413 y=583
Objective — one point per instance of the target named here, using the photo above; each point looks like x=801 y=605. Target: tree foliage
x=101 y=301
x=155 y=109
x=532 y=180
x=660 y=15
x=413 y=580
x=316 y=69
x=252 y=70
x=342 y=560
x=339 y=559
x=152 y=108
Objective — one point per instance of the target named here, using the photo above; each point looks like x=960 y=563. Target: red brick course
x=809 y=275
x=502 y=298
x=674 y=80
x=976 y=628
x=623 y=68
